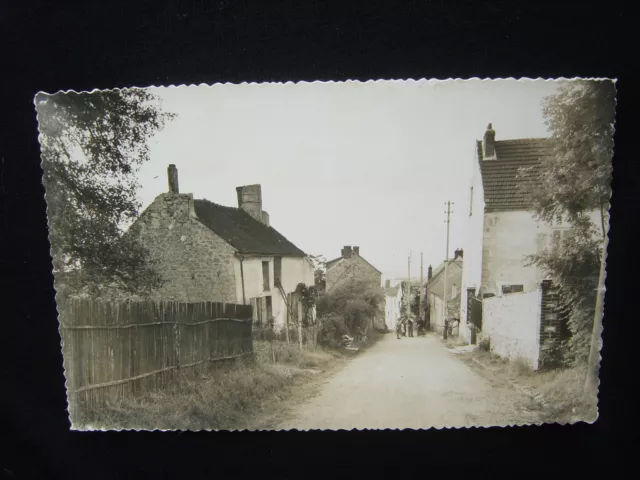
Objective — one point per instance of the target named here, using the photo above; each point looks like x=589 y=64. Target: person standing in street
x=410 y=325
x=399 y=329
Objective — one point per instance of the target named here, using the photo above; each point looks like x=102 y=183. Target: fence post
x=176 y=338
x=287 y=319
x=299 y=317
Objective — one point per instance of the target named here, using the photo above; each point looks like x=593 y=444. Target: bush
x=356 y=301
x=485 y=345
x=332 y=329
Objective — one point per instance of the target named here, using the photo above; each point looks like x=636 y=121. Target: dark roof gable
x=331 y=263
x=505 y=186
x=242 y=231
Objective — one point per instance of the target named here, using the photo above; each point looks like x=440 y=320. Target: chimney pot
x=346 y=251
x=429 y=272
x=250 y=200
x=458 y=253
x=489 y=142
x=172 y=175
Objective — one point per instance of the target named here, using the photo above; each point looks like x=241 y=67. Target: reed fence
x=115 y=350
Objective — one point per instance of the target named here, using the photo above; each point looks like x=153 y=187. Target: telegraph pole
x=409 y=284
x=446 y=262
x=421 y=283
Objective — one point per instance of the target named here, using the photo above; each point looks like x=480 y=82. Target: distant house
x=211 y=252
x=393 y=304
x=436 y=294
x=501 y=230
x=350 y=265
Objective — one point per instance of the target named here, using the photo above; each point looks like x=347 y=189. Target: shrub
x=356 y=301
x=332 y=329
x=485 y=345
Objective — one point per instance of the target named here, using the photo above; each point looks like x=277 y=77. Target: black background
x=51 y=46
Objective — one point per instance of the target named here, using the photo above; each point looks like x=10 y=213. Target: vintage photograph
x=391 y=254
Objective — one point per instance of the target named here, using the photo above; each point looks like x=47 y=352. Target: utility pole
x=421 y=284
x=446 y=262
x=409 y=284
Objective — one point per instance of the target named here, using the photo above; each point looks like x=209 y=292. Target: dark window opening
x=265 y=276
x=277 y=271
x=512 y=289
x=269 y=308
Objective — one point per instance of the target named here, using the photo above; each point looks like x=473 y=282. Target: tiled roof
x=440 y=269
x=243 y=232
x=331 y=263
x=505 y=186
x=392 y=291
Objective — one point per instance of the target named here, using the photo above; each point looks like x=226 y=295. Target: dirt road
x=411 y=383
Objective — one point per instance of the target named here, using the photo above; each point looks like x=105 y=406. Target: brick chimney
x=429 y=272
x=489 y=151
x=265 y=218
x=346 y=251
x=172 y=175
x=356 y=251
x=387 y=283
x=250 y=200
x=457 y=254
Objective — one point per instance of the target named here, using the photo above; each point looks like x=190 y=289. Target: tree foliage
x=92 y=146
x=573 y=263
x=319 y=271
x=576 y=179
x=574 y=182
x=356 y=301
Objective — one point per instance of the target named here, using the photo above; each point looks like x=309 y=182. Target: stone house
x=501 y=229
x=393 y=305
x=435 y=290
x=211 y=252
x=350 y=265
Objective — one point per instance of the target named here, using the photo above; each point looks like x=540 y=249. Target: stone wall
x=196 y=263
x=553 y=327
x=354 y=267
x=512 y=324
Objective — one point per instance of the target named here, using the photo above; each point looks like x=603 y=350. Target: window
x=265 y=276
x=277 y=270
x=512 y=289
x=559 y=235
x=471 y=202
x=269 y=308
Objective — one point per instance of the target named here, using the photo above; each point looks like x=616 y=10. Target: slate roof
x=391 y=291
x=331 y=263
x=505 y=186
x=243 y=232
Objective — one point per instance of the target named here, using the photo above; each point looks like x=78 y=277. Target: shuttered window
x=265 y=276
x=277 y=270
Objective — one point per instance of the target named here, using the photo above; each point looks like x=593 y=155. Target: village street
x=411 y=383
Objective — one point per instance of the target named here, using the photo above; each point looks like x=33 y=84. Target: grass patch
x=561 y=388
x=457 y=341
x=227 y=399
x=562 y=391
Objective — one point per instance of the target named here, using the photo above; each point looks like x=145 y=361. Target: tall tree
x=576 y=179
x=574 y=182
x=92 y=146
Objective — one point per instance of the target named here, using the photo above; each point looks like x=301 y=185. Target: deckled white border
x=430 y=82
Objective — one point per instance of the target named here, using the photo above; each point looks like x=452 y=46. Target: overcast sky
x=367 y=164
